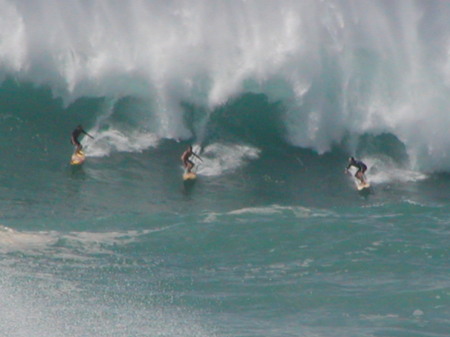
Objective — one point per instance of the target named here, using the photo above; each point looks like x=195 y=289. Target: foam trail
x=383 y=170
x=220 y=158
x=340 y=67
x=114 y=140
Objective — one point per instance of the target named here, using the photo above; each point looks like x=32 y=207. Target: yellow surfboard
x=189 y=176
x=78 y=158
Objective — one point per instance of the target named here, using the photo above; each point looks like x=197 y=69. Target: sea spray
x=338 y=67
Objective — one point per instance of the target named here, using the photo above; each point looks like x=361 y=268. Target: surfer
x=75 y=134
x=360 y=166
x=188 y=164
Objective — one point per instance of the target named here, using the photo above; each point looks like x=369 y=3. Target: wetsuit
x=359 y=165
x=75 y=134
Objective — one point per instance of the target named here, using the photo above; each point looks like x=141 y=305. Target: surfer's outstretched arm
x=197 y=156
x=87 y=134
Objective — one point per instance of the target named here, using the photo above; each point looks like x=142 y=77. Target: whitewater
x=272 y=238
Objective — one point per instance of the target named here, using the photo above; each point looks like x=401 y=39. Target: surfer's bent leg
x=79 y=147
x=360 y=175
x=190 y=165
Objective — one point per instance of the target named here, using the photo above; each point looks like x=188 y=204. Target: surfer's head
x=351 y=159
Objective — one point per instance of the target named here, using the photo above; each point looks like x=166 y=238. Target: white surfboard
x=361 y=186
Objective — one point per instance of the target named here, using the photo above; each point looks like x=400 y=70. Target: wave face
x=339 y=69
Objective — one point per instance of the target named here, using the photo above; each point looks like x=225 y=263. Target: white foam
x=298 y=211
x=258 y=210
x=111 y=140
x=12 y=240
x=382 y=170
x=341 y=67
x=41 y=241
x=218 y=158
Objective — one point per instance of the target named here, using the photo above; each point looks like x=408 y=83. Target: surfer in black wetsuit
x=360 y=166
x=188 y=164
x=75 y=134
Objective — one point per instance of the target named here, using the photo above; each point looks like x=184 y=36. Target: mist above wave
x=339 y=67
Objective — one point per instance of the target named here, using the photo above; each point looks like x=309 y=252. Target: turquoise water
x=272 y=239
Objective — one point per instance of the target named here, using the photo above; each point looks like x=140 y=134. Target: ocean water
x=272 y=239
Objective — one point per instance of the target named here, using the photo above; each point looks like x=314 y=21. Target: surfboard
x=78 y=158
x=189 y=176
x=362 y=186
